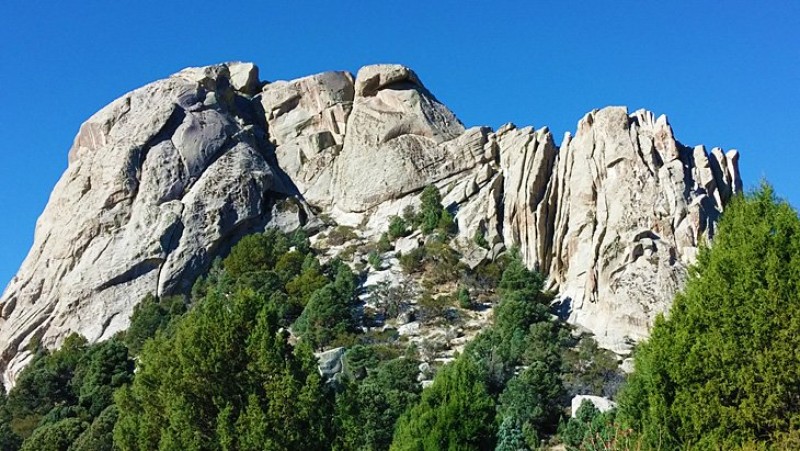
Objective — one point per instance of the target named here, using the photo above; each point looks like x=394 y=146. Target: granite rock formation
x=169 y=176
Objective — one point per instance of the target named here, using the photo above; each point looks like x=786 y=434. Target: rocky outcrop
x=331 y=363
x=307 y=119
x=399 y=139
x=631 y=206
x=159 y=182
x=613 y=217
x=166 y=178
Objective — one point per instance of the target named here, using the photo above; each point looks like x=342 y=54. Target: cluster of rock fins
x=169 y=176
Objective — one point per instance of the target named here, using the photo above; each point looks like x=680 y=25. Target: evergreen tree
x=45 y=385
x=366 y=411
x=431 y=209
x=100 y=434
x=592 y=430
x=530 y=400
x=226 y=379
x=105 y=367
x=510 y=436
x=256 y=252
x=54 y=437
x=328 y=315
x=456 y=412
x=722 y=369
x=150 y=315
x=397 y=227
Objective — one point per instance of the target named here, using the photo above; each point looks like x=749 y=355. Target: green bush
x=443 y=263
x=447 y=223
x=411 y=216
x=431 y=209
x=480 y=239
x=413 y=261
x=384 y=245
x=340 y=235
x=256 y=252
x=433 y=308
x=374 y=260
x=464 y=301
x=397 y=227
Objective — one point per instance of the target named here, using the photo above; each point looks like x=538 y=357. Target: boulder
x=473 y=256
x=244 y=77
x=330 y=362
x=602 y=404
x=410 y=329
x=407 y=244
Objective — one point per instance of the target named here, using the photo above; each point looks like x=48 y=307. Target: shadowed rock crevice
x=134 y=272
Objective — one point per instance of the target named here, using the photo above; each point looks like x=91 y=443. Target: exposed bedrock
x=166 y=178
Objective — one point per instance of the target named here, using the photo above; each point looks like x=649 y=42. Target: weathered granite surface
x=169 y=176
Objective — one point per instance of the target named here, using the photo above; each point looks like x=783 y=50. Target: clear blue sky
x=726 y=73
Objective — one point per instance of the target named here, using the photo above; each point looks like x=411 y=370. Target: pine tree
x=431 y=209
x=227 y=378
x=722 y=370
x=456 y=412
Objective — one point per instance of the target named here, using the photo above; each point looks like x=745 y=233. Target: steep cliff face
x=167 y=177
x=632 y=205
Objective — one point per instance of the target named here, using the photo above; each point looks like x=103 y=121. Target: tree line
x=220 y=370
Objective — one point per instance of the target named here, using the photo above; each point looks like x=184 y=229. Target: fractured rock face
x=307 y=119
x=527 y=158
x=630 y=213
x=169 y=176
